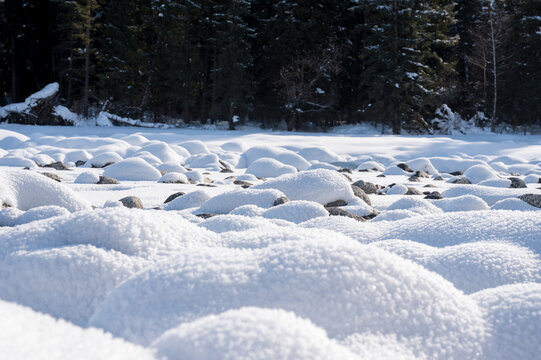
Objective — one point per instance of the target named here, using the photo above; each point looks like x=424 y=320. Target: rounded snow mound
x=462 y=203
x=189 y=200
x=341 y=286
x=87 y=177
x=248 y=210
x=261 y=333
x=132 y=169
x=25 y=190
x=26 y=334
x=370 y=165
x=472 y=267
x=163 y=152
x=399 y=189
x=17 y=161
x=322 y=154
x=478 y=173
x=171 y=167
x=514 y=313
x=40 y=213
x=498 y=183
x=173 y=178
x=240 y=223
x=415 y=204
x=296 y=211
x=195 y=147
x=135 y=139
x=514 y=204
x=269 y=168
x=378 y=347
x=422 y=164
x=226 y=202
x=235 y=146
x=104 y=159
x=321 y=186
x=146 y=234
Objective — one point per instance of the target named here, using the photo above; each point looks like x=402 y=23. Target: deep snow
x=228 y=270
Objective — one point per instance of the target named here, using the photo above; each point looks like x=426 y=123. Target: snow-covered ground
x=239 y=252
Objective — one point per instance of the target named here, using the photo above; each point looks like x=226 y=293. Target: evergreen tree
x=403 y=71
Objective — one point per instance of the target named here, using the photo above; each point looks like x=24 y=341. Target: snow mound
x=26 y=334
x=26 y=190
x=105 y=158
x=190 y=200
x=478 y=173
x=490 y=195
x=395 y=170
x=399 y=189
x=173 y=177
x=171 y=167
x=40 y=213
x=135 y=139
x=296 y=211
x=240 y=223
x=370 y=165
x=415 y=204
x=444 y=229
x=341 y=286
x=378 y=347
x=8 y=216
x=499 y=183
x=225 y=203
x=322 y=154
x=87 y=177
x=269 y=168
x=513 y=204
x=163 y=152
x=195 y=147
x=293 y=159
x=17 y=161
x=205 y=161
x=422 y=164
x=261 y=333
x=322 y=186
x=195 y=175
x=393 y=215
x=322 y=165
x=448 y=165
x=462 y=203
x=472 y=267
x=235 y=146
x=532 y=179
x=514 y=313
x=132 y=169
x=260 y=152
x=248 y=210
x=76 y=155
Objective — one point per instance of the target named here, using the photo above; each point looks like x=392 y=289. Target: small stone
x=206 y=216
x=336 y=203
x=132 y=202
x=414 y=178
x=344 y=170
x=173 y=196
x=281 y=200
x=242 y=183
x=517 y=183
x=206 y=185
x=335 y=211
x=231 y=177
x=80 y=163
x=381 y=176
x=347 y=177
x=59 y=165
x=405 y=167
x=367 y=187
x=457 y=173
x=413 y=191
x=438 y=178
x=52 y=176
x=357 y=191
x=433 y=196
x=105 y=180
x=430 y=186
x=226 y=171
x=224 y=164
x=163 y=172
x=462 y=181
x=106 y=164
x=532 y=199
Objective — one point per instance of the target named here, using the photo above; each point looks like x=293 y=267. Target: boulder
x=532 y=199
x=132 y=202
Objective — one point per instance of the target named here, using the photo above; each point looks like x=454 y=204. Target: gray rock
x=438 y=178
x=430 y=186
x=422 y=174
x=226 y=171
x=206 y=185
x=132 y=202
x=281 y=200
x=79 y=163
x=105 y=180
x=462 y=181
x=433 y=196
x=414 y=178
x=52 y=176
x=413 y=191
x=173 y=196
x=532 y=199
x=335 y=211
x=405 y=167
x=517 y=183
x=163 y=172
x=242 y=183
x=345 y=170
x=347 y=177
x=59 y=165
x=367 y=187
x=457 y=173
x=206 y=216
x=357 y=191
x=336 y=203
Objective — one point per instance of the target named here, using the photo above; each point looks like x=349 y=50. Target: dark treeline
x=295 y=62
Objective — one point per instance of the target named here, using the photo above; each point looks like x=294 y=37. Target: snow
x=133 y=169
x=269 y=168
x=456 y=278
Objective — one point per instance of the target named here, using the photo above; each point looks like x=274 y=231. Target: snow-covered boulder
x=105 y=158
x=132 y=169
x=462 y=203
x=171 y=167
x=478 y=173
x=322 y=186
x=254 y=331
x=173 y=178
x=269 y=168
x=163 y=152
x=296 y=211
x=322 y=154
x=190 y=200
x=87 y=177
x=195 y=147
x=225 y=203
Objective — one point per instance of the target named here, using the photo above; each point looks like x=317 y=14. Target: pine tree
x=403 y=71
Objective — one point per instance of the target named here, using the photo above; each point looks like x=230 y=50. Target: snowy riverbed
x=437 y=255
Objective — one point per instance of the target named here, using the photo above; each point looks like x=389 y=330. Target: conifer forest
x=400 y=64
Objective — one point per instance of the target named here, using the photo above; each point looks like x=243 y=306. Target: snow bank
x=17 y=161
x=241 y=223
x=25 y=334
x=296 y=211
x=269 y=168
x=514 y=204
x=260 y=333
x=132 y=169
x=248 y=210
x=25 y=190
x=322 y=186
x=190 y=200
x=513 y=312
x=341 y=286
x=224 y=203
x=472 y=267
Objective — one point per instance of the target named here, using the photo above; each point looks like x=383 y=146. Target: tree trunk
x=86 y=91
x=396 y=110
x=494 y=71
